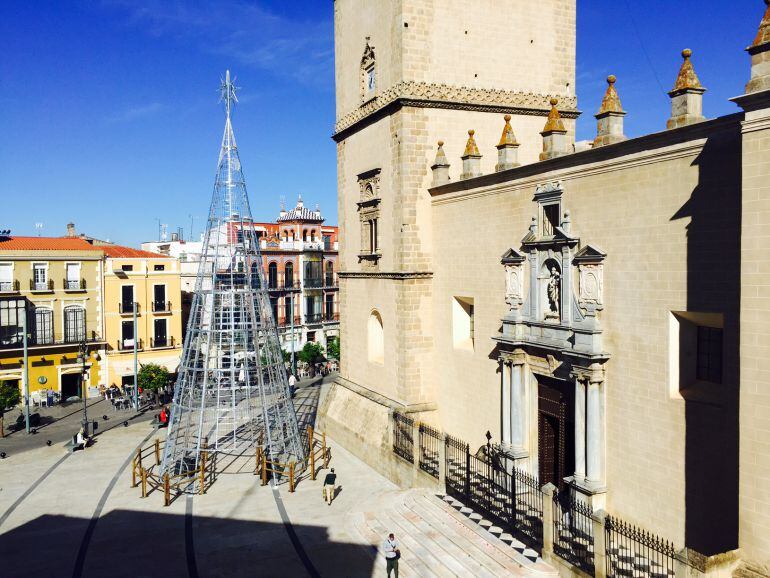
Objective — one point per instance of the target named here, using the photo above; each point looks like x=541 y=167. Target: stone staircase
x=436 y=540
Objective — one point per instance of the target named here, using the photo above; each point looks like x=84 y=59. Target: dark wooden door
x=552 y=430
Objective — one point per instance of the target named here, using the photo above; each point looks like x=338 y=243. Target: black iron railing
x=9 y=286
x=529 y=505
x=74 y=284
x=457 y=456
x=41 y=285
x=632 y=551
x=573 y=535
x=313 y=282
x=128 y=344
x=403 y=442
x=159 y=343
x=313 y=318
x=331 y=317
x=126 y=307
x=161 y=306
x=430 y=444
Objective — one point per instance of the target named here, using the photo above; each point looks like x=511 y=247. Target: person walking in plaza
x=330 y=486
x=292 y=384
x=392 y=554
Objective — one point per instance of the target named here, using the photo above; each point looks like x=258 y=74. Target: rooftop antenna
x=39 y=228
x=163 y=232
x=157 y=219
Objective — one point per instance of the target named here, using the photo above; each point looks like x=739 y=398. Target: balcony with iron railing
x=9 y=286
x=161 y=306
x=164 y=343
x=313 y=282
x=41 y=286
x=331 y=282
x=330 y=317
x=48 y=339
x=74 y=284
x=128 y=345
x=286 y=321
x=313 y=318
x=127 y=307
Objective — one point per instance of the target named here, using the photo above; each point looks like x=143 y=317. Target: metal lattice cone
x=232 y=392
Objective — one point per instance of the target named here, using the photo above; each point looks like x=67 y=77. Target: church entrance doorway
x=555 y=428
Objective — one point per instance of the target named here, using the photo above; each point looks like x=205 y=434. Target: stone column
x=548 y=491
x=595 y=433
x=518 y=406
x=506 y=406
x=580 y=429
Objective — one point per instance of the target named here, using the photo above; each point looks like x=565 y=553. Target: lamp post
x=82 y=355
x=293 y=342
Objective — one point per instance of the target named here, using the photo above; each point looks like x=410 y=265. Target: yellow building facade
x=56 y=284
x=148 y=284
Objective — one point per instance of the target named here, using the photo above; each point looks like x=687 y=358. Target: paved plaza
x=75 y=514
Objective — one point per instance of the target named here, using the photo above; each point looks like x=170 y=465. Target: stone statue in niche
x=512 y=286
x=554 y=282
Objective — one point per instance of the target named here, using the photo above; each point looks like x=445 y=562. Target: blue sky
x=109 y=115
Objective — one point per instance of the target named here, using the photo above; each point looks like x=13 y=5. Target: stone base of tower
x=358 y=419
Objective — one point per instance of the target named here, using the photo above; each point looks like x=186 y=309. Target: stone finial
x=471 y=158
x=554 y=134
x=471 y=149
x=609 y=126
x=554 y=122
x=686 y=78
x=760 y=56
x=440 y=166
x=507 y=148
x=687 y=96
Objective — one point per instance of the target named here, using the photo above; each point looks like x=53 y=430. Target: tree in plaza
x=153 y=377
x=9 y=398
x=311 y=353
x=333 y=348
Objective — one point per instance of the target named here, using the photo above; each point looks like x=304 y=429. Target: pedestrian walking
x=292 y=384
x=330 y=486
x=392 y=554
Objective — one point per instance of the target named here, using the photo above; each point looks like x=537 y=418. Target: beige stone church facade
x=608 y=322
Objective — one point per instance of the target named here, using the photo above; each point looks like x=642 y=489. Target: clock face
x=370 y=80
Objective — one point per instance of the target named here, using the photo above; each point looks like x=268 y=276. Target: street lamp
x=82 y=355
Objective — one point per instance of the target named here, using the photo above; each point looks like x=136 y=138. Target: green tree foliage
x=153 y=377
x=9 y=397
x=333 y=348
x=311 y=353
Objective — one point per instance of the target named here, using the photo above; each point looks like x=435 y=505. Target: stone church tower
x=411 y=73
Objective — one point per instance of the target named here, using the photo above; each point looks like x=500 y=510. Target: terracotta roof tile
x=15 y=243
x=118 y=251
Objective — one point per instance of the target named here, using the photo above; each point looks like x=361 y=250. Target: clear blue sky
x=109 y=115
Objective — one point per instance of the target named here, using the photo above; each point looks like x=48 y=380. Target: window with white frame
x=73 y=276
x=42 y=328
x=40 y=276
x=6 y=276
x=74 y=323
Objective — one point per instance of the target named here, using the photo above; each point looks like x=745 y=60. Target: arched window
x=329 y=274
x=376 y=338
x=42 y=330
x=272 y=275
x=74 y=324
x=288 y=274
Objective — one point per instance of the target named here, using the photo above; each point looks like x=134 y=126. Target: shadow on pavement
x=132 y=543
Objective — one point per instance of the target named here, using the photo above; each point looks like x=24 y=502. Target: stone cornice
x=398 y=275
x=435 y=95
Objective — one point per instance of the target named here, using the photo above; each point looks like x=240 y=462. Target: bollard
x=291 y=477
x=133 y=472
x=264 y=470
x=166 y=490
x=258 y=456
x=312 y=462
x=157 y=451
x=598 y=520
x=202 y=479
x=139 y=456
x=144 y=483
x=326 y=453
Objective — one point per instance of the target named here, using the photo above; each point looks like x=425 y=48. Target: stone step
x=373 y=532
x=453 y=551
x=537 y=568
x=484 y=546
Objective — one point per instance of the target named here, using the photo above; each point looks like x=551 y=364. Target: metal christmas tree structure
x=232 y=392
